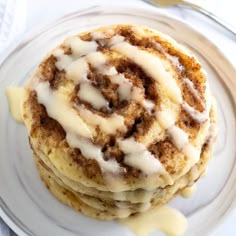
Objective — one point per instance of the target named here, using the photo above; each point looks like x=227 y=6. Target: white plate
x=30 y=209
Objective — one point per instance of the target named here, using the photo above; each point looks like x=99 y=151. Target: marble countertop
x=38 y=13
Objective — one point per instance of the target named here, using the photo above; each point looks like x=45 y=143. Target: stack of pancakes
x=120 y=119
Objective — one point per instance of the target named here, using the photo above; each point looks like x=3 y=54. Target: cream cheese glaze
x=92 y=95
x=165 y=219
x=137 y=155
x=188 y=191
x=15 y=95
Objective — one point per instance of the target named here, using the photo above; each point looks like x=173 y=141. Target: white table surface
x=44 y=11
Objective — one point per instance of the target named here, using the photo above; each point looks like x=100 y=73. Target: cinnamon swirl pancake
x=120 y=119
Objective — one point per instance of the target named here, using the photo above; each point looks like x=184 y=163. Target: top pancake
x=120 y=108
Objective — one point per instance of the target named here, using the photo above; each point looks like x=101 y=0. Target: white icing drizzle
x=92 y=151
x=193 y=90
x=77 y=70
x=165 y=219
x=116 y=39
x=179 y=137
x=80 y=47
x=97 y=35
x=193 y=153
x=181 y=141
x=92 y=95
x=148 y=105
x=97 y=59
x=62 y=60
x=166 y=119
x=125 y=86
x=109 y=124
x=59 y=108
x=153 y=66
x=195 y=114
x=198 y=116
x=173 y=59
x=139 y=157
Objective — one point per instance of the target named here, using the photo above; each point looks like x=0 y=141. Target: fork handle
x=209 y=14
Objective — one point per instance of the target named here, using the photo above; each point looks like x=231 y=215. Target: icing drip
x=188 y=191
x=165 y=219
x=14 y=95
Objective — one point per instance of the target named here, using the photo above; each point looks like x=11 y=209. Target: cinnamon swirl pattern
x=120 y=119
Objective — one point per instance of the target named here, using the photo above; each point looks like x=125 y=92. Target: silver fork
x=171 y=3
